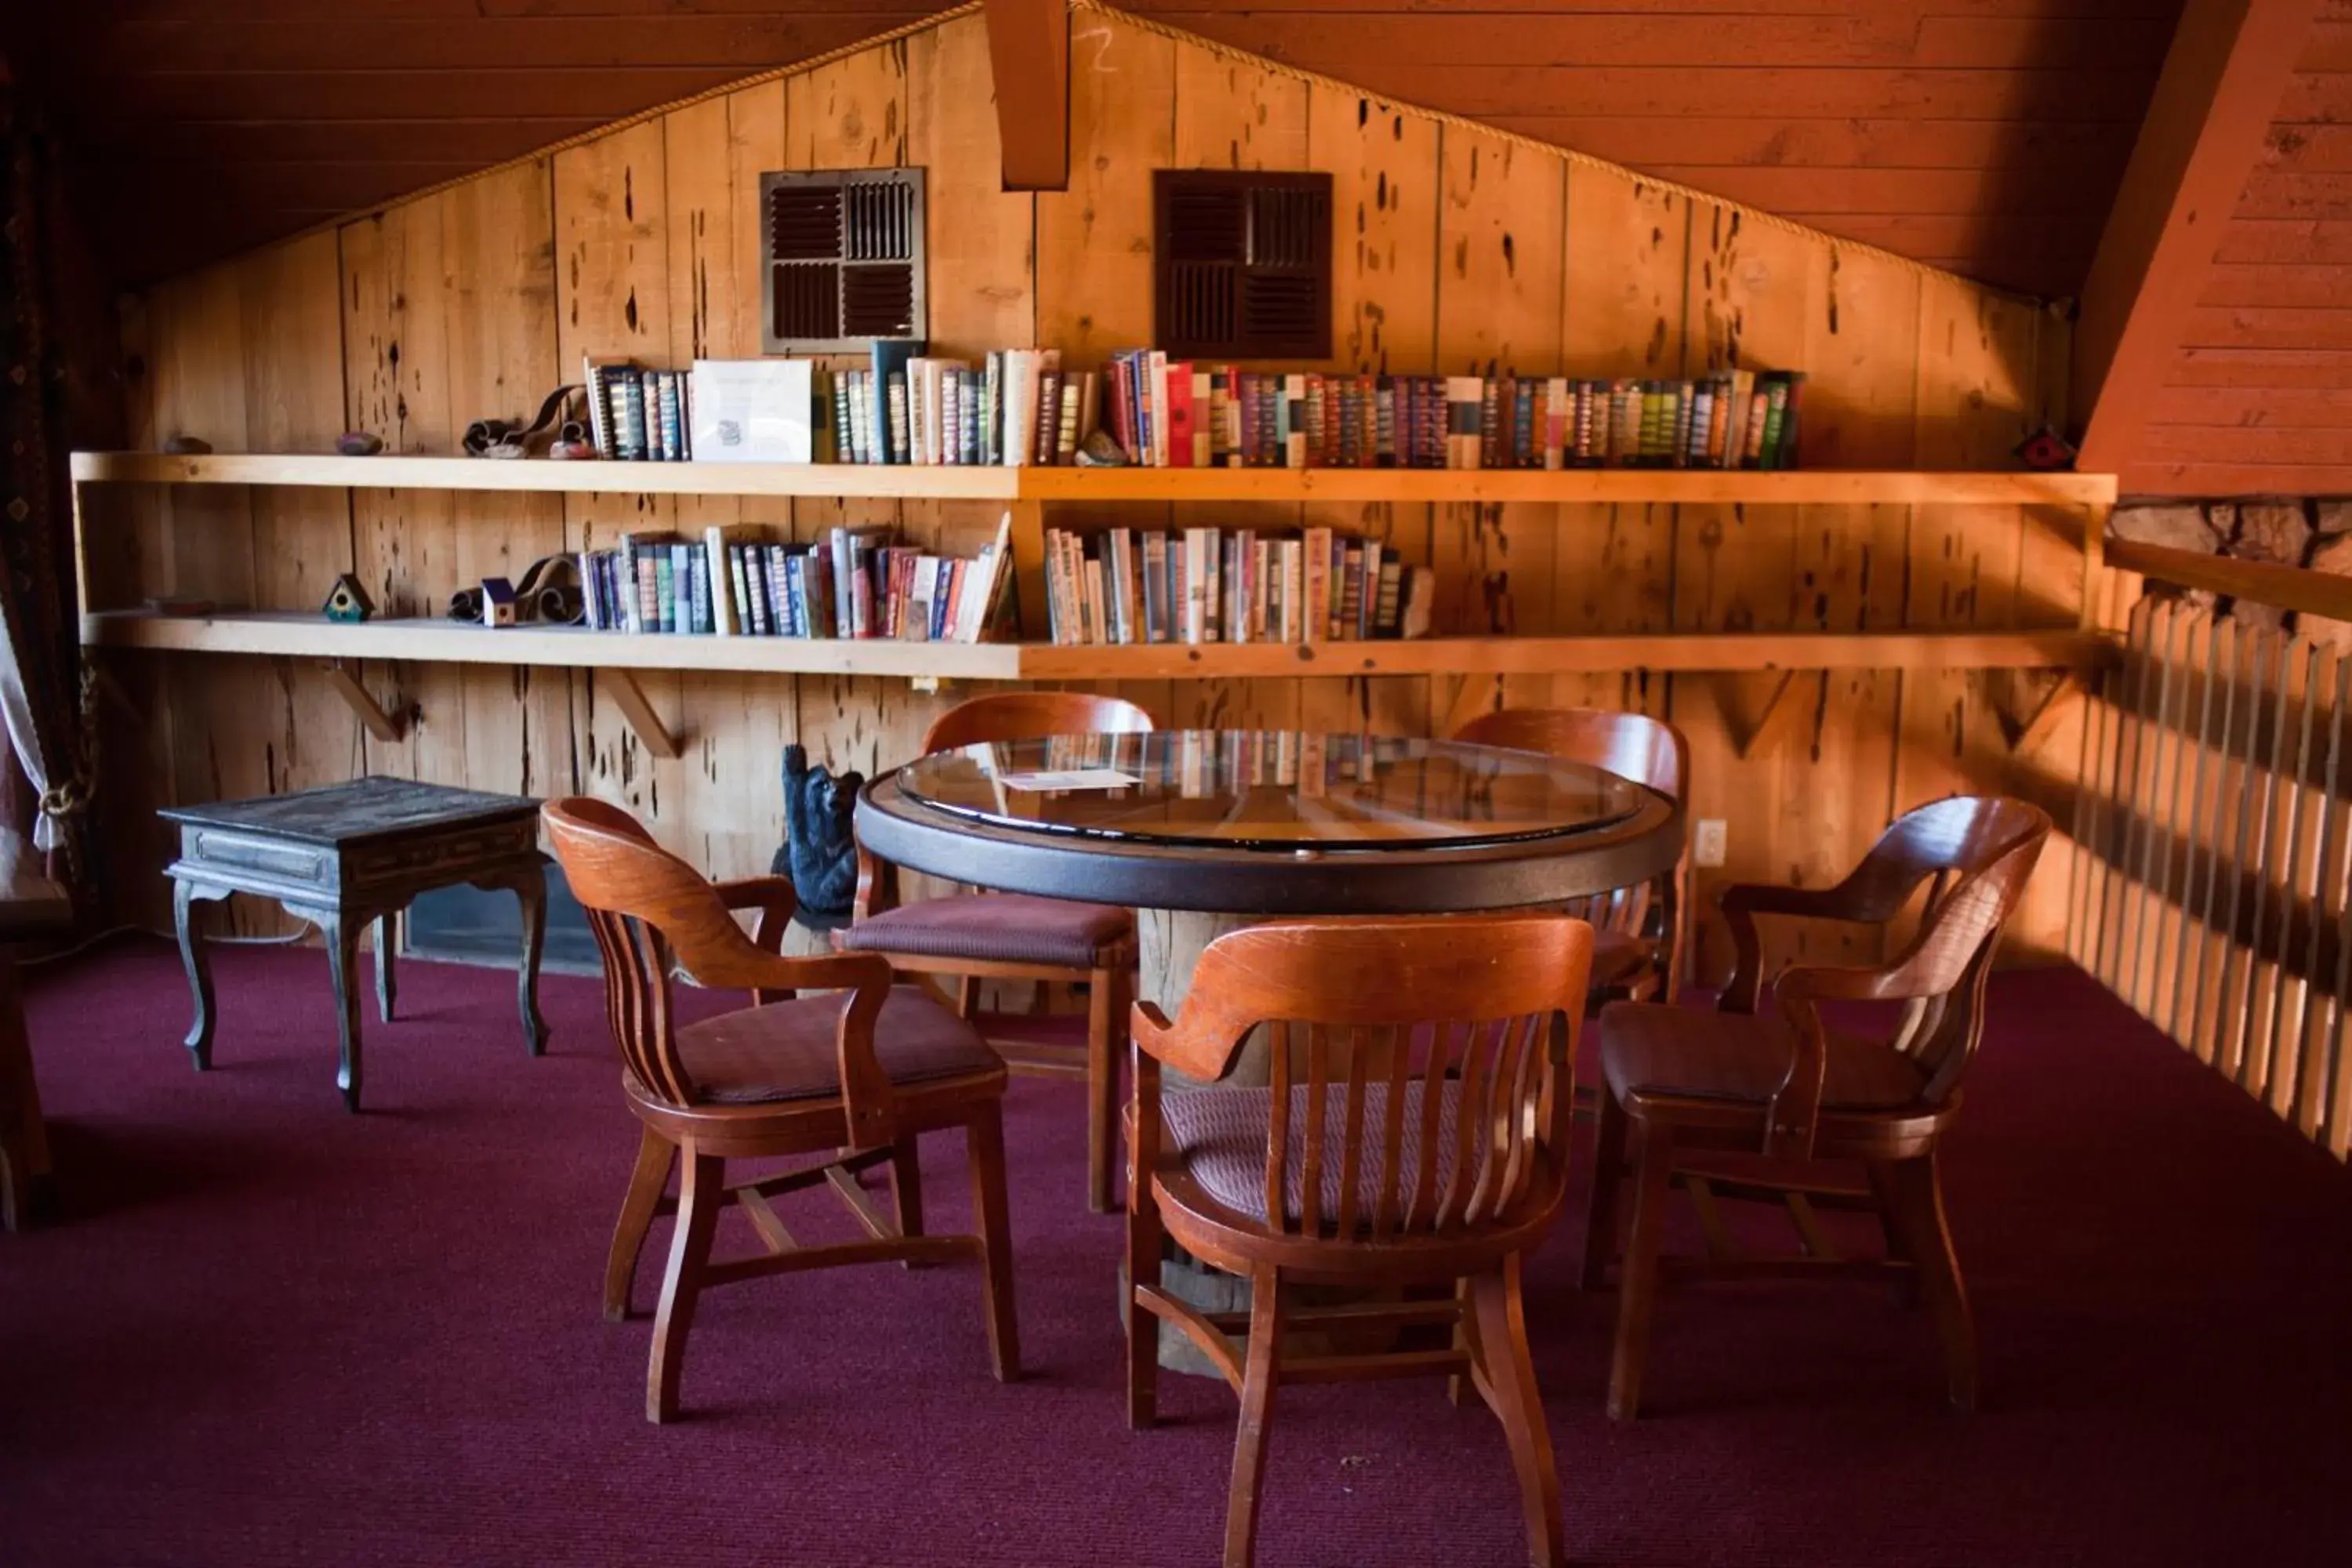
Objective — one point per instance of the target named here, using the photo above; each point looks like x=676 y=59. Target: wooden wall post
x=1029 y=54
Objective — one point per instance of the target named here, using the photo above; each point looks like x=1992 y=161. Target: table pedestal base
x=1169 y=944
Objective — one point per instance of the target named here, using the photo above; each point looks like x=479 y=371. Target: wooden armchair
x=1637 y=931
x=1398 y=1144
x=1016 y=936
x=858 y=1074
x=1763 y=1100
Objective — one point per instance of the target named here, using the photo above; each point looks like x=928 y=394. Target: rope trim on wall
x=1227 y=52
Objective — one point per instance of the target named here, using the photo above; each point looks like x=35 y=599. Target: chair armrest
x=1190 y=1050
x=774 y=899
x=1868 y=895
x=1801 y=989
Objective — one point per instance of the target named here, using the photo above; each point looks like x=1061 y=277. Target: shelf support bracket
x=638 y=709
x=386 y=727
x=1782 y=711
x=2036 y=727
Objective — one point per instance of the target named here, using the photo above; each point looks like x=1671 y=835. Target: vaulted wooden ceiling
x=1985 y=136
x=1982 y=135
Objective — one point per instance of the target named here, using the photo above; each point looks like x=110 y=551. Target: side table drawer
x=421 y=859
x=254 y=855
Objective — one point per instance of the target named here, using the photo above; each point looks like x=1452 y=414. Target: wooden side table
x=342 y=856
x=30 y=906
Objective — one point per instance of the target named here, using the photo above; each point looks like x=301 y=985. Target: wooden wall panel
x=1458 y=251
x=1385 y=175
x=1500 y=263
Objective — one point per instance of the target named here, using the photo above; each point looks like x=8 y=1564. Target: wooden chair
x=1637 y=931
x=1763 y=1100
x=1015 y=936
x=859 y=1074
x=1399 y=1144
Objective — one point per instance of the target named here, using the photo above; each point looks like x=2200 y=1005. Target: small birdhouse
x=2046 y=450
x=348 y=602
x=500 y=606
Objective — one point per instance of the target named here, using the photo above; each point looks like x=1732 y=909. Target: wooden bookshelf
x=303 y=635
x=1790 y=486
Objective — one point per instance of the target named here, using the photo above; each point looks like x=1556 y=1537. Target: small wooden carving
x=349 y=601
x=820 y=854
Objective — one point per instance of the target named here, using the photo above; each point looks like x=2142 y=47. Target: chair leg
x=1637 y=1288
x=1258 y=1379
x=1466 y=1338
x=1899 y=1247
x=1105 y=1007
x=907 y=1188
x=1601 y=1217
x=1142 y=1326
x=1919 y=1209
x=701 y=1191
x=1511 y=1374
x=984 y=1135
x=646 y=1183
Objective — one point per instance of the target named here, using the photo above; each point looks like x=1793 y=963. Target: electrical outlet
x=1707 y=842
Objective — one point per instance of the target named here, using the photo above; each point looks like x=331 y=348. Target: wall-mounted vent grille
x=1243 y=263
x=845 y=251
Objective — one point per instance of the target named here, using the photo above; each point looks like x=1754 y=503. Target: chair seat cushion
x=1742 y=1058
x=788 y=1050
x=1001 y=928
x=1221 y=1135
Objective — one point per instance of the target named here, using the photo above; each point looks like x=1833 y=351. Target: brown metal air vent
x=844 y=254
x=1242 y=264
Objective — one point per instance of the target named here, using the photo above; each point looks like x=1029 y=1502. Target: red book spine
x=1180 y=416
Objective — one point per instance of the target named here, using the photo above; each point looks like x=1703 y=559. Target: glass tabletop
x=1272 y=789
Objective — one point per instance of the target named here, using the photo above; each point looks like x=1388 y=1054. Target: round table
x=1205 y=831
x=1201 y=832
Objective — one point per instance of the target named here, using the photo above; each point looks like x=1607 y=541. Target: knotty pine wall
x=1461 y=249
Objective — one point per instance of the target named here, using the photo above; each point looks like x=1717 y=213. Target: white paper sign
x=751 y=410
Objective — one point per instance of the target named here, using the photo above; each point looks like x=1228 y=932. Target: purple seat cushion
x=1001 y=928
x=788 y=1050
x=1223 y=1135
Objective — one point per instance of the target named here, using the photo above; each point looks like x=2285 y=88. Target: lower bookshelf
x=303 y=635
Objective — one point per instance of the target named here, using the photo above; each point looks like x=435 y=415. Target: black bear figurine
x=820 y=854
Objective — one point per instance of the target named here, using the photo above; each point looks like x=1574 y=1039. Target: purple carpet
x=265 y=1333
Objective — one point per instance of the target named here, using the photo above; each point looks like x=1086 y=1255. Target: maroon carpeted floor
x=267 y=1332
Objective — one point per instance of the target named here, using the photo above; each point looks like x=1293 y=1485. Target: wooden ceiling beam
x=2228 y=64
x=1029 y=54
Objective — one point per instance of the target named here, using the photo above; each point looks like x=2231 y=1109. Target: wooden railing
x=2212 y=832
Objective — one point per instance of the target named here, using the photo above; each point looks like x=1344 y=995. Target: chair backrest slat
x=1419 y=1069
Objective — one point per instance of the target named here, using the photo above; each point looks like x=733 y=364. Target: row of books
x=1185 y=416
x=1019 y=407
x=1015 y=408
x=637 y=414
x=1126 y=586
x=853 y=584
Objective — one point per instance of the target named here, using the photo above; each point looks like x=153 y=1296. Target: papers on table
x=1069 y=778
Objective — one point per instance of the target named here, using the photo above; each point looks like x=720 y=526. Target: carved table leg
x=342 y=934
x=531 y=889
x=185 y=895
x=386 y=984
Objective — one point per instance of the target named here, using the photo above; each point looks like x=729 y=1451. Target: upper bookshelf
x=1782 y=487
